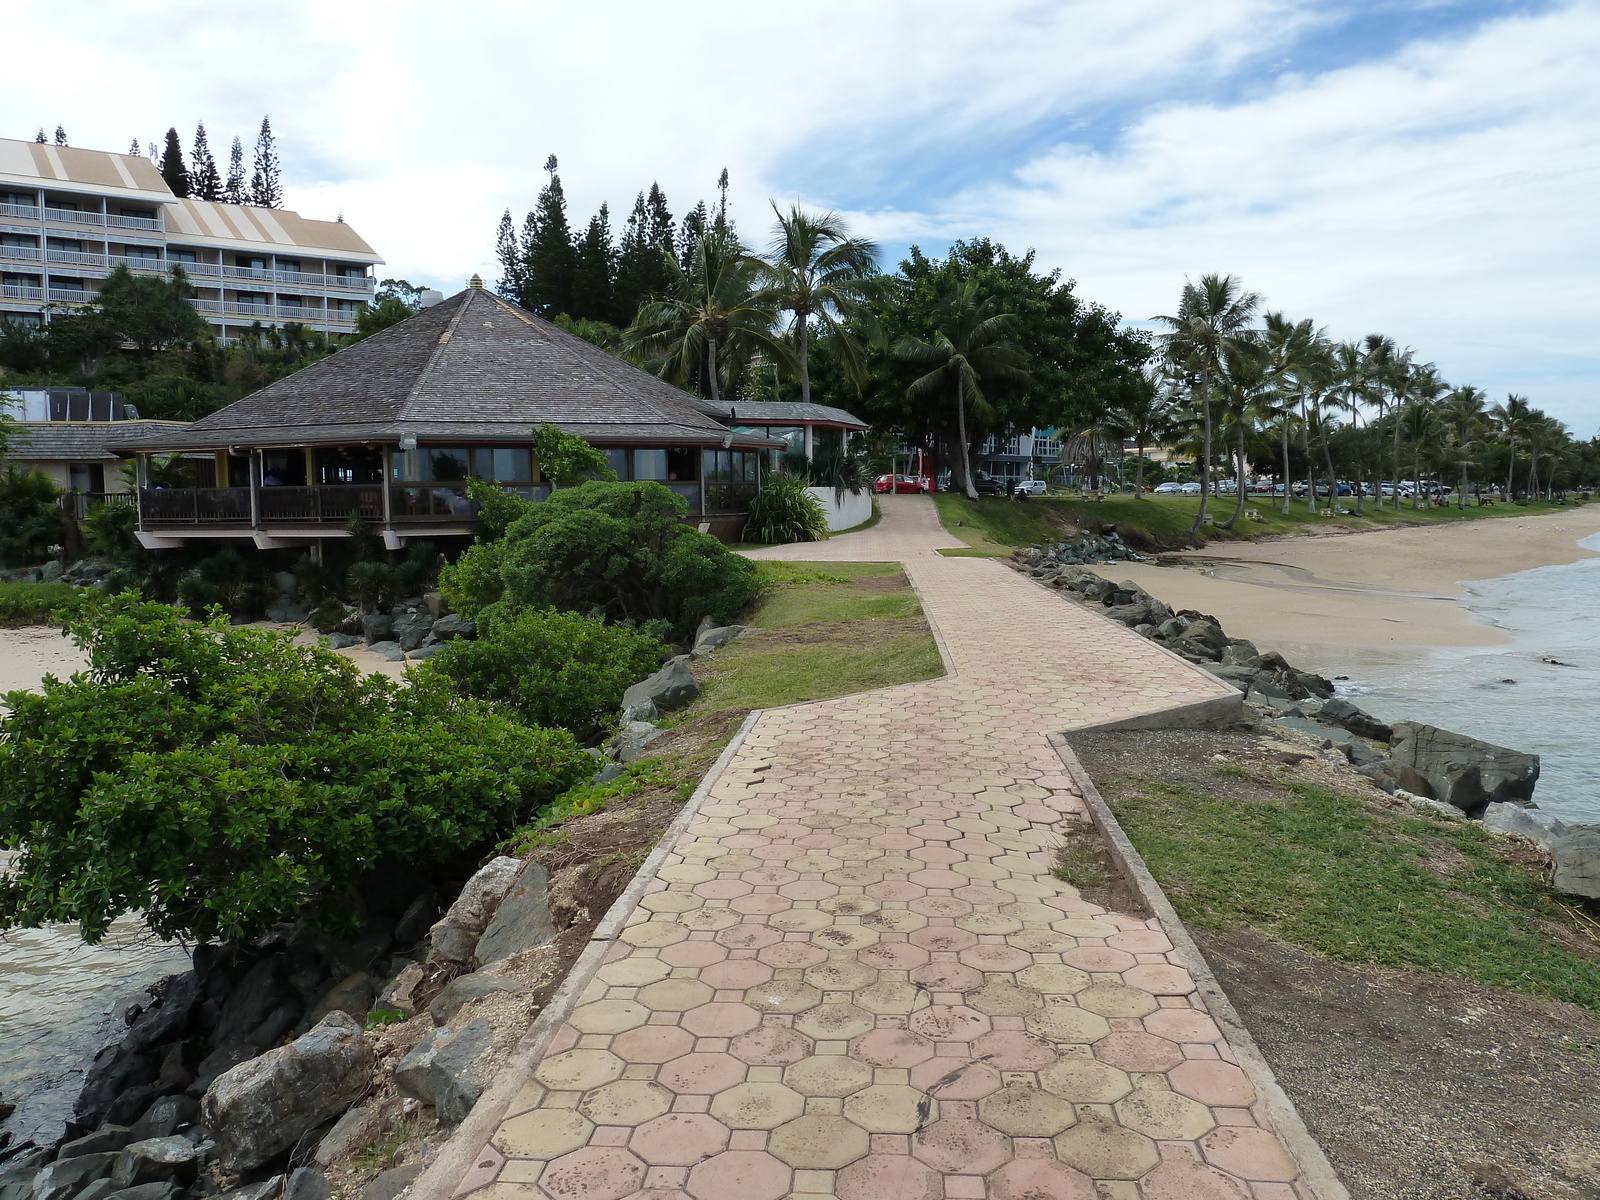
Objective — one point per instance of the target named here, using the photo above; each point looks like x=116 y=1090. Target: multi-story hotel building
x=68 y=216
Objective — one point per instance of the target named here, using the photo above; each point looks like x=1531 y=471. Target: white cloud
x=1441 y=195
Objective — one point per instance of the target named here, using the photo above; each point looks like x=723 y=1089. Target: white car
x=1190 y=489
x=1032 y=487
x=1168 y=489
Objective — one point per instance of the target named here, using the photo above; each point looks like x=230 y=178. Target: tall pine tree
x=642 y=269
x=204 y=182
x=134 y=149
x=40 y=137
x=236 y=191
x=694 y=228
x=61 y=135
x=509 y=252
x=549 y=255
x=172 y=168
x=594 y=272
x=266 y=183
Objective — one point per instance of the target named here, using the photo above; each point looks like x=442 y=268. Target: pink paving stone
x=897 y=841
x=735 y=974
x=720 y=1019
x=693 y=953
x=722 y=889
x=946 y=1078
x=739 y=1175
x=771 y=1045
x=980 y=893
x=1099 y=958
x=652 y=1044
x=764 y=903
x=1138 y=1052
x=935 y=878
x=1182 y=1025
x=769 y=876
x=1040 y=1179
x=791 y=954
x=749 y=936
x=976 y=847
x=960 y=1145
x=947 y=977
x=1013 y=1050
x=809 y=889
x=1141 y=941
x=1159 y=980
x=935 y=833
x=1040 y=813
x=891 y=1047
x=895 y=889
x=1249 y=1153
x=1212 y=1082
x=992 y=957
x=701 y=1074
x=940 y=906
x=942 y=937
x=950 y=1023
x=679 y=1139
x=893 y=956
x=1182 y=1179
x=938 y=854
x=888 y=1177
x=594 y=1173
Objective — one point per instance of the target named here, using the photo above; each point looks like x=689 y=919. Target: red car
x=901 y=484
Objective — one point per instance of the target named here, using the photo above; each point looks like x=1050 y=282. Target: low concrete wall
x=854 y=509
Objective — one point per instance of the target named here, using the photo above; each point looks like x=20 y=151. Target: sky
x=1421 y=168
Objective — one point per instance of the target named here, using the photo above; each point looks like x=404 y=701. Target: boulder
x=455 y=937
x=1340 y=711
x=443 y=1070
x=52 y=573
x=145 y=1191
x=164 y=1118
x=633 y=739
x=397 y=994
x=114 y=1070
x=305 y=1183
x=98 y=1190
x=377 y=627
x=419 y=915
x=387 y=649
x=1577 y=860
x=262 y=1107
x=643 y=710
x=1394 y=777
x=169 y=1016
x=1207 y=633
x=521 y=921
x=1464 y=771
x=715 y=639
x=267 y=1189
x=353 y=994
x=342 y=641
x=465 y=988
x=453 y=625
x=1532 y=823
x=411 y=628
x=108 y=1139
x=65 y=1176
x=350 y=1132
x=669 y=688
x=1242 y=653
x=1171 y=629
x=156 y=1160
x=392 y=1182
x=264 y=989
x=424 y=652
x=286 y=611
x=127 y=1108
x=612 y=770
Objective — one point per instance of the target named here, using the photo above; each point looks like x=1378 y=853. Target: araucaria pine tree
x=236 y=191
x=549 y=255
x=40 y=137
x=641 y=268
x=61 y=136
x=172 y=168
x=204 y=182
x=134 y=149
x=266 y=183
x=509 y=252
x=594 y=272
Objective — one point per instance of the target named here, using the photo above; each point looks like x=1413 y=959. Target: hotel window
x=617 y=460
x=650 y=464
x=503 y=464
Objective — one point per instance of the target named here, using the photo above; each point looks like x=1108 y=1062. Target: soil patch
x=1419 y=1084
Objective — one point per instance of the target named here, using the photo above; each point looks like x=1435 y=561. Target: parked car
x=1190 y=489
x=901 y=484
x=1032 y=487
x=1168 y=489
x=988 y=485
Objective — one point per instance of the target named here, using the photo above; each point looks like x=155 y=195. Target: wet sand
x=1380 y=589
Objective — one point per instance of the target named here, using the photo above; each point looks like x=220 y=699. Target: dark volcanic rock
x=1464 y=771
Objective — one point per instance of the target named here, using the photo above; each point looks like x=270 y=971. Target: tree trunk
x=1361 y=500
x=1305 y=446
x=1333 y=482
x=1416 y=471
x=1378 y=500
x=1461 y=500
x=1285 y=475
x=1205 y=461
x=1138 y=472
x=1511 y=474
x=1397 y=463
x=1238 y=463
x=711 y=369
x=805 y=369
x=961 y=433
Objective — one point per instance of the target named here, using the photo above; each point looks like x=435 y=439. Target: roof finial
x=475 y=282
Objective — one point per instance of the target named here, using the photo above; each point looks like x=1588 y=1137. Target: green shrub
x=37 y=603
x=620 y=550
x=784 y=511
x=30 y=517
x=220 y=780
x=228 y=580
x=566 y=460
x=550 y=667
x=108 y=530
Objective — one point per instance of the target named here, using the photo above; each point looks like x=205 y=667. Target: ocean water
x=1539 y=694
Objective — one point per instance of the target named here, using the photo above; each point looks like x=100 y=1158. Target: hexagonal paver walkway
x=855 y=975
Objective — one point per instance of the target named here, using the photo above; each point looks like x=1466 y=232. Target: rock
x=388 y=650
x=98 y=1190
x=1392 y=776
x=715 y=639
x=1135 y=613
x=175 y=1073
x=1171 y=629
x=419 y=915
x=52 y=573
x=108 y=1139
x=411 y=628
x=377 y=627
x=267 y=1189
x=264 y=989
x=1145 y=630
x=305 y=1183
x=264 y=1106
x=1577 y=860
x=353 y=994
x=342 y=641
x=156 y=1160
x=165 y=1117
x=1341 y=712
x=398 y=994
x=1322 y=733
x=1423 y=804
x=1464 y=771
x=350 y=1132
x=424 y=653
x=65 y=1176
x=669 y=688
x=392 y=1182
x=631 y=742
x=522 y=920
x=114 y=1070
x=1207 y=633
x=465 y=988
x=443 y=1070
x=224 y=1058
x=452 y=626
x=286 y=611
x=607 y=773
x=1241 y=653
x=707 y=624
x=1360 y=753
x=456 y=936
x=145 y=1191
x=127 y=1108
x=1532 y=823
x=640 y=710
x=167 y=1018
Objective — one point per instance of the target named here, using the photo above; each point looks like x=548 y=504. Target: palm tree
x=1146 y=418
x=1291 y=347
x=969 y=346
x=1352 y=383
x=1463 y=414
x=1212 y=315
x=1543 y=434
x=1247 y=390
x=817 y=272
x=1423 y=430
x=712 y=316
x=1512 y=417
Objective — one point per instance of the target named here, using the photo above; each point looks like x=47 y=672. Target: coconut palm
x=1212 y=315
x=1423 y=428
x=1463 y=414
x=1247 y=391
x=1353 y=384
x=713 y=316
x=817 y=273
x=1544 y=435
x=969 y=347
x=1146 y=418
x=1291 y=348
x=1513 y=418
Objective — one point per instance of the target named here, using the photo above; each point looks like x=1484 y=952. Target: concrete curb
x=467 y=1161
x=1316 y=1172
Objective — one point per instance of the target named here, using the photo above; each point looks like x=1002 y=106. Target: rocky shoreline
x=1434 y=769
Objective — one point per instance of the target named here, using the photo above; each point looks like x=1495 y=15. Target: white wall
x=855 y=508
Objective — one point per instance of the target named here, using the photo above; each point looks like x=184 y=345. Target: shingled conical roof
x=471 y=368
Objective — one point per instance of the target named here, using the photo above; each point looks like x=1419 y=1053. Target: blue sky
x=1426 y=169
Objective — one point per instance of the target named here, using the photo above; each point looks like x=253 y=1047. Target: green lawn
x=994 y=526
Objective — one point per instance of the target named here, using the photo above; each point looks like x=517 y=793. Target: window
x=181 y=256
x=290 y=302
x=283 y=468
x=650 y=464
x=447 y=464
x=503 y=464
x=682 y=464
x=617 y=460
x=288 y=264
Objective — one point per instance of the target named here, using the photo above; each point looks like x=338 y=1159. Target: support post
x=255 y=489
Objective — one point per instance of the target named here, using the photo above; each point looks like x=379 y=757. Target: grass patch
x=995 y=525
x=1339 y=875
x=1078 y=863
x=36 y=603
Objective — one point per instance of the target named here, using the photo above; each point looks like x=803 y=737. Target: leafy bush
x=473 y=581
x=566 y=460
x=36 y=603
x=228 y=580
x=552 y=668
x=784 y=511
x=841 y=471
x=223 y=779
x=620 y=550
x=108 y=530
x=30 y=517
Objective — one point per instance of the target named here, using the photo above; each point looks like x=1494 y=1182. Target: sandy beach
x=1379 y=589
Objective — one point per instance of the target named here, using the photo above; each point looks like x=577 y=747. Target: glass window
x=681 y=463
x=650 y=464
x=283 y=468
x=447 y=464
x=512 y=465
x=617 y=460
